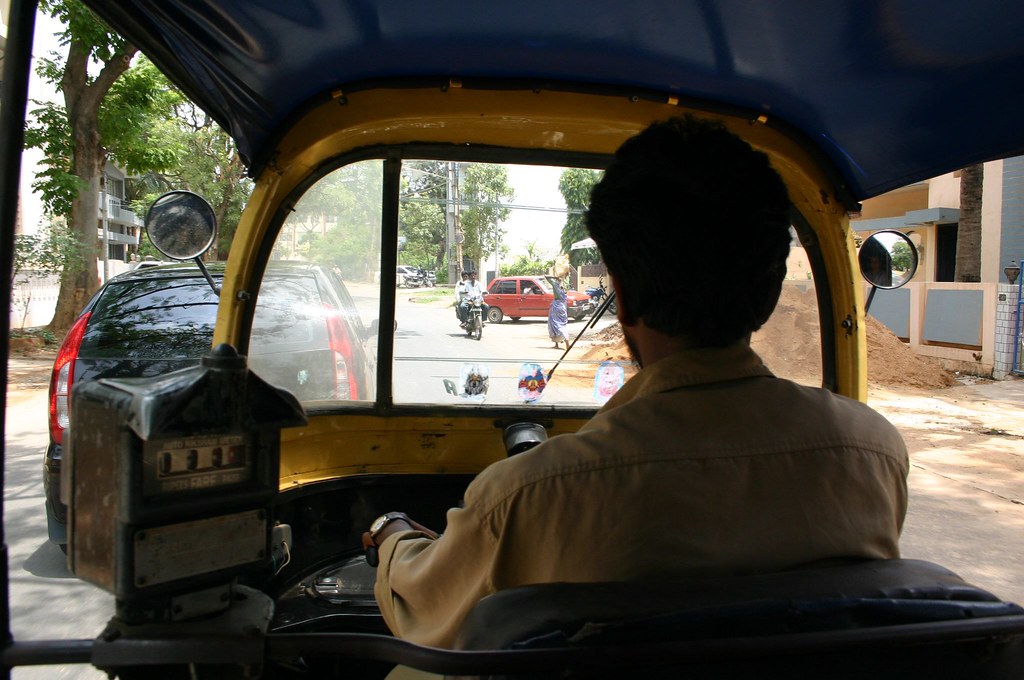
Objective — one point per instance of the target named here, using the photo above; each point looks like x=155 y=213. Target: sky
x=43 y=42
x=535 y=187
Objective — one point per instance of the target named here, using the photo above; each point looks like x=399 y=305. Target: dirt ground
x=789 y=344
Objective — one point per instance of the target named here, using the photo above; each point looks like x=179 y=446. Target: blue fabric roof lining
x=890 y=92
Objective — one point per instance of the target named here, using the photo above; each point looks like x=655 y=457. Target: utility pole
x=454 y=223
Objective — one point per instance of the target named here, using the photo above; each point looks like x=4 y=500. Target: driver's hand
x=404 y=523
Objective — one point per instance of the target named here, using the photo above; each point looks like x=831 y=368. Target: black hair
x=696 y=225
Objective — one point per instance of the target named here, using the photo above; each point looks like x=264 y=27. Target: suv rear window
x=174 y=319
x=151 y=319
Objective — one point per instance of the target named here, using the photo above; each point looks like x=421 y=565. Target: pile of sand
x=789 y=345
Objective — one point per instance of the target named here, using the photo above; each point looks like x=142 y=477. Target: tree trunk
x=968 y=236
x=77 y=284
x=82 y=99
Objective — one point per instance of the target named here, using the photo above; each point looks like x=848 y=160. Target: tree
x=968 y=234
x=528 y=264
x=337 y=222
x=103 y=117
x=422 y=220
x=575 y=185
x=902 y=257
x=486 y=187
x=48 y=252
x=208 y=164
x=483 y=187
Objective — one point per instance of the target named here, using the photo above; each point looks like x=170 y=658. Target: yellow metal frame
x=514 y=119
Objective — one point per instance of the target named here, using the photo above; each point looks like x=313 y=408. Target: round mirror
x=888 y=259
x=181 y=225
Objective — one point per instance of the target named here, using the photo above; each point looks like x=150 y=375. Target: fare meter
x=170 y=484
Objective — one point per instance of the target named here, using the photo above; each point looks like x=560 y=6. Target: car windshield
x=503 y=223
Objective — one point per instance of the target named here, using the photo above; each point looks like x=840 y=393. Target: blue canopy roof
x=891 y=92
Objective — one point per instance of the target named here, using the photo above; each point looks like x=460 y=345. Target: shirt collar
x=689 y=368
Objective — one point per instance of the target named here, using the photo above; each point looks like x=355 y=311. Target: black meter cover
x=171 y=482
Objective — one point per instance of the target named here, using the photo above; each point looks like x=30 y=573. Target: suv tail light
x=344 y=361
x=62 y=377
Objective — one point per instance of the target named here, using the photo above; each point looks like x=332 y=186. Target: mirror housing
x=888 y=259
x=181 y=225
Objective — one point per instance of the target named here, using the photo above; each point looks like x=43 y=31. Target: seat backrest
x=818 y=610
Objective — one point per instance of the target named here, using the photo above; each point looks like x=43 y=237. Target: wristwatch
x=387 y=518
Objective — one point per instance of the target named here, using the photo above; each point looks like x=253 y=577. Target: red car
x=519 y=296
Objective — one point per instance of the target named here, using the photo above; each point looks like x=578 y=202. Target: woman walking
x=558 y=316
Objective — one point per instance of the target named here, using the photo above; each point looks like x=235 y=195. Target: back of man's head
x=694 y=224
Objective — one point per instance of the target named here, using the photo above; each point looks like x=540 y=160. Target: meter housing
x=171 y=482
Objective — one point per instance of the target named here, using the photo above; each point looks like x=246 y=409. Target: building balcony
x=117 y=211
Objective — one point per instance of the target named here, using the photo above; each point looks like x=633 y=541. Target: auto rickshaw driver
x=704 y=463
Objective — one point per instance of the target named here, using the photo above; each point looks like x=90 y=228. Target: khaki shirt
x=704 y=464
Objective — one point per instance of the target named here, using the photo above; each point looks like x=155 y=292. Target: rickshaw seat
x=854 y=620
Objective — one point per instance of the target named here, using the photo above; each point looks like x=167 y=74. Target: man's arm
x=427 y=584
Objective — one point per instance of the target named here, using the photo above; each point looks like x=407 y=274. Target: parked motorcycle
x=599 y=293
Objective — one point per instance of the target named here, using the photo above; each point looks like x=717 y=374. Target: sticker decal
x=609 y=378
x=474 y=379
x=531 y=382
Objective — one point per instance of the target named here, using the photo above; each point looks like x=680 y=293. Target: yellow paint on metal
x=532 y=120
x=348 y=444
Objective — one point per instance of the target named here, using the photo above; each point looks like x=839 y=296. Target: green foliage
x=902 y=257
x=337 y=222
x=524 y=266
x=528 y=264
x=82 y=26
x=207 y=164
x=424 y=227
x=49 y=251
x=575 y=185
x=49 y=130
x=485 y=188
x=422 y=219
x=133 y=111
x=423 y=222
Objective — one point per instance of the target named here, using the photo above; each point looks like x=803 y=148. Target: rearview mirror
x=181 y=225
x=888 y=259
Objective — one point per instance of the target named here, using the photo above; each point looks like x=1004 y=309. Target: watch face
x=378 y=524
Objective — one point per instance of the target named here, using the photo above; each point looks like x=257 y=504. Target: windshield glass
x=513 y=237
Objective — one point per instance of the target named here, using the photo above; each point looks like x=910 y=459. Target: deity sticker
x=531 y=382
x=474 y=379
x=609 y=378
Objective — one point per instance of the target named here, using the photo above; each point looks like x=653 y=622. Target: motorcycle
x=599 y=293
x=474 y=323
x=415 y=279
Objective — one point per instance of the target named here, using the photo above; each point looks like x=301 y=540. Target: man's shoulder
x=553 y=459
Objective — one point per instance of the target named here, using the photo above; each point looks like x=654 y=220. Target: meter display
x=194 y=463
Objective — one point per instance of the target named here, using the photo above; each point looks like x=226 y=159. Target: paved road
x=966 y=479
x=47 y=602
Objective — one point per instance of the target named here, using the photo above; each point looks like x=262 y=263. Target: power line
x=492 y=204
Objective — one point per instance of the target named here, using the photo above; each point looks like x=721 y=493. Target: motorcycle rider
x=474 y=291
x=460 y=296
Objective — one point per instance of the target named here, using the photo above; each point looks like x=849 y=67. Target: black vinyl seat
x=869 y=619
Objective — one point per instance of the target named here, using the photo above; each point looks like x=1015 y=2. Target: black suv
x=307 y=338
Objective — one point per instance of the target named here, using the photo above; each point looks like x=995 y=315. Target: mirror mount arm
x=871 y=296
x=206 y=273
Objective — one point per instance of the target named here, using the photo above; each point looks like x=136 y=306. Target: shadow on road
x=48 y=561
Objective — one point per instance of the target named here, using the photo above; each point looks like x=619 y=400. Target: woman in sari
x=558 y=316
